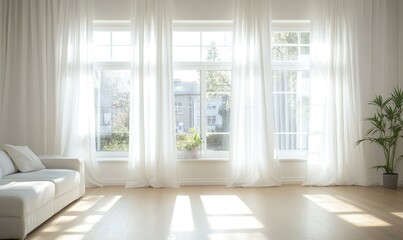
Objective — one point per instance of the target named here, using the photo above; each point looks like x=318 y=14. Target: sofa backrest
x=6 y=165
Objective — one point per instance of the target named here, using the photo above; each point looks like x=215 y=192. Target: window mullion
x=203 y=117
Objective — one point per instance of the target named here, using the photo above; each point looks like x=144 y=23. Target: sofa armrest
x=54 y=162
x=62 y=163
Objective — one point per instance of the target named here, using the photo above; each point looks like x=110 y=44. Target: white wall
x=111 y=9
x=201 y=172
x=203 y=9
x=400 y=27
x=392 y=42
x=400 y=65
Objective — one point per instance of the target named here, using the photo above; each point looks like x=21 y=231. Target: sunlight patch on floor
x=398 y=214
x=364 y=220
x=58 y=223
x=70 y=237
x=346 y=211
x=332 y=204
x=110 y=203
x=86 y=225
x=182 y=219
x=85 y=204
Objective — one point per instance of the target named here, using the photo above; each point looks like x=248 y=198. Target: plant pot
x=193 y=154
x=390 y=180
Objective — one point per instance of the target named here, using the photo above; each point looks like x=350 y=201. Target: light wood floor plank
x=215 y=212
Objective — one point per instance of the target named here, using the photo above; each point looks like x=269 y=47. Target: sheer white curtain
x=152 y=137
x=344 y=36
x=75 y=90
x=45 y=78
x=252 y=143
x=27 y=74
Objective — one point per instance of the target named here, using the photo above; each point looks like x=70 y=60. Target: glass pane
x=102 y=54
x=228 y=38
x=217 y=142
x=215 y=54
x=112 y=106
x=304 y=51
x=102 y=38
x=304 y=82
x=292 y=142
x=281 y=53
x=304 y=114
x=218 y=81
x=291 y=91
x=287 y=141
x=187 y=82
x=186 y=54
x=285 y=112
x=121 y=54
x=284 y=38
x=121 y=38
x=187 y=101
x=285 y=81
x=303 y=142
x=228 y=54
x=218 y=112
x=186 y=38
x=305 y=37
x=216 y=38
x=218 y=106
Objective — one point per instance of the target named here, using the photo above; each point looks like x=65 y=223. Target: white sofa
x=28 y=199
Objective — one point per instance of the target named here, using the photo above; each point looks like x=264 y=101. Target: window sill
x=203 y=159
x=212 y=159
x=293 y=159
x=113 y=159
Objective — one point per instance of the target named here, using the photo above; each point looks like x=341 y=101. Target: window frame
x=291 y=26
x=203 y=26
x=111 y=26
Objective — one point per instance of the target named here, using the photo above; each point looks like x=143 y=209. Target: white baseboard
x=292 y=180
x=113 y=181
x=201 y=181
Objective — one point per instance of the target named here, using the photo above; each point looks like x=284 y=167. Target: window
x=112 y=46
x=206 y=46
x=112 y=55
x=211 y=120
x=178 y=108
x=291 y=84
x=202 y=81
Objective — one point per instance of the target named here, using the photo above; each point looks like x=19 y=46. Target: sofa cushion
x=23 y=157
x=63 y=179
x=6 y=165
x=22 y=198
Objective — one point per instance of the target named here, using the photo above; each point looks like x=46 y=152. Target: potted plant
x=190 y=142
x=385 y=131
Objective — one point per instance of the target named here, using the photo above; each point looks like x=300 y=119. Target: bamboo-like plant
x=386 y=128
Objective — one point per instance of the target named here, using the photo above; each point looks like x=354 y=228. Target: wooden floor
x=279 y=213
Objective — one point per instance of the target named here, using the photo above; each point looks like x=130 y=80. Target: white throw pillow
x=23 y=158
x=6 y=165
x=1 y=174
